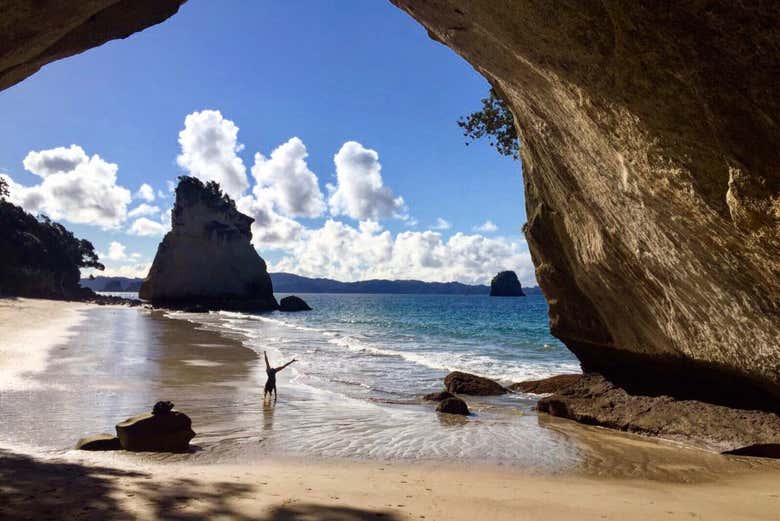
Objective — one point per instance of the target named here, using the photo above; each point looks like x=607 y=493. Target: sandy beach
x=615 y=476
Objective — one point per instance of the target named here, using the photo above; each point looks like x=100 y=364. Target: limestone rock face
x=207 y=259
x=506 y=284
x=33 y=34
x=650 y=143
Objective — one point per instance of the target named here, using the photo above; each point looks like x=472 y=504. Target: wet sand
x=91 y=367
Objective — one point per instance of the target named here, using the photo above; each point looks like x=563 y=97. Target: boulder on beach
x=453 y=406
x=438 y=397
x=549 y=385
x=506 y=284
x=102 y=441
x=293 y=303
x=169 y=431
x=465 y=383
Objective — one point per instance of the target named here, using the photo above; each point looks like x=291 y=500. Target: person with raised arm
x=270 y=384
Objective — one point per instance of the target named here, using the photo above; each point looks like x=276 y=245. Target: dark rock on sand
x=552 y=384
x=465 y=383
x=207 y=258
x=759 y=450
x=595 y=401
x=438 y=397
x=161 y=432
x=99 y=442
x=453 y=406
x=506 y=284
x=293 y=303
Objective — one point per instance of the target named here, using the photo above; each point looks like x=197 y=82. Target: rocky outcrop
x=552 y=384
x=652 y=180
x=99 y=442
x=33 y=34
x=293 y=303
x=506 y=284
x=207 y=260
x=464 y=383
x=163 y=430
x=595 y=401
x=438 y=397
x=453 y=406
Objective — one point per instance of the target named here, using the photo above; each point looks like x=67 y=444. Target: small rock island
x=207 y=260
x=506 y=284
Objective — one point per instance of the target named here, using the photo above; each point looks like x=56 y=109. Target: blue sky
x=364 y=72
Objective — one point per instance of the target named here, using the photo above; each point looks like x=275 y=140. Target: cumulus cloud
x=360 y=192
x=270 y=230
x=116 y=251
x=75 y=187
x=486 y=227
x=143 y=209
x=441 y=224
x=284 y=180
x=344 y=252
x=209 y=148
x=148 y=228
x=145 y=192
x=136 y=270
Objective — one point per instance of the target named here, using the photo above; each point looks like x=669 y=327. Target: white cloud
x=145 y=192
x=209 y=144
x=148 y=228
x=270 y=230
x=143 y=209
x=486 y=227
x=441 y=224
x=284 y=179
x=359 y=192
x=343 y=252
x=116 y=251
x=137 y=270
x=74 y=187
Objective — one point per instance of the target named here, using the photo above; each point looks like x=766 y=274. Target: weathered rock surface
x=453 y=406
x=293 y=303
x=464 y=383
x=552 y=384
x=652 y=180
x=438 y=397
x=33 y=34
x=595 y=401
x=148 y=432
x=99 y=442
x=207 y=260
x=506 y=284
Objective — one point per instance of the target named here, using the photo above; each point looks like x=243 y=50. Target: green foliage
x=3 y=188
x=40 y=257
x=496 y=123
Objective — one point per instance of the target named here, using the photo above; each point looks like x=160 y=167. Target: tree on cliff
x=494 y=121
x=41 y=258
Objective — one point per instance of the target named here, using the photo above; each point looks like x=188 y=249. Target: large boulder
x=162 y=432
x=293 y=303
x=464 y=383
x=438 y=397
x=453 y=406
x=651 y=179
x=506 y=284
x=207 y=260
x=552 y=384
x=99 y=442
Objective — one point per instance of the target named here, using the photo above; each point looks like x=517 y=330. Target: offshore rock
x=506 y=284
x=207 y=261
x=650 y=146
x=293 y=303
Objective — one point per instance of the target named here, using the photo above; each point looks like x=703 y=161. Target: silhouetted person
x=270 y=384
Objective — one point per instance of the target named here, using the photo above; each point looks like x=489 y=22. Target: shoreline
x=622 y=475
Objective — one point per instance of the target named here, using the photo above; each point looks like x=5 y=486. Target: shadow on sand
x=37 y=490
